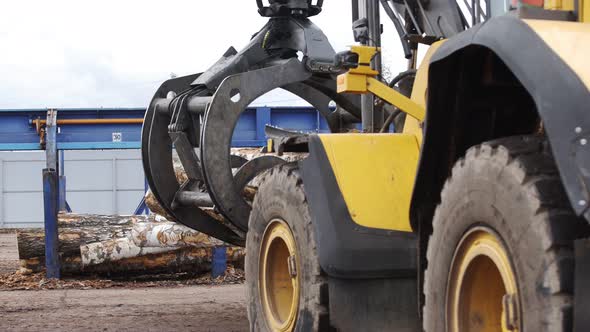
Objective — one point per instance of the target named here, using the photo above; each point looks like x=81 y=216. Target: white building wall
x=102 y=182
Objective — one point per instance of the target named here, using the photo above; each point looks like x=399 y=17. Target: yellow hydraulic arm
x=362 y=79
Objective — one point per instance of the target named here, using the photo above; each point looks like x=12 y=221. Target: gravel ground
x=194 y=308
x=8 y=253
x=175 y=304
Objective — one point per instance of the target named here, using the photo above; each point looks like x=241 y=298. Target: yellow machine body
x=363 y=80
x=376 y=197
x=559 y=4
x=570 y=41
x=379 y=197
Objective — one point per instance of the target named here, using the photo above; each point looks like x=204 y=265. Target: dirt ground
x=8 y=253
x=183 y=306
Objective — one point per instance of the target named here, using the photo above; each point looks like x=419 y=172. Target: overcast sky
x=107 y=53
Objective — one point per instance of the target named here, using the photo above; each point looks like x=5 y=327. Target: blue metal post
x=218 y=261
x=62 y=159
x=318 y=123
x=142 y=208
x=51 y=197
x=146 y=188
x=262 y=119
x=63 y=205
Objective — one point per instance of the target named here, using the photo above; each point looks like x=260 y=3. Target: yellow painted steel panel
x=351 y=83
x=395 y=98
x=375 y=174
x=559 y=5
x=570 y=41
x=585 y=11
x=419 y=91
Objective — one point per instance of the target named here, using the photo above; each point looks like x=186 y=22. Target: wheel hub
x=278 y=278
x=482 y=292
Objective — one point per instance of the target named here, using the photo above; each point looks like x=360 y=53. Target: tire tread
x=280 y=180
x=529 y=159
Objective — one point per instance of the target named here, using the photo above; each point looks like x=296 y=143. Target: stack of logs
x=98 y=244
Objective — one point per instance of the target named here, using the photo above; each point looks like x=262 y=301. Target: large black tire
x=512 y=187
x=281 y=195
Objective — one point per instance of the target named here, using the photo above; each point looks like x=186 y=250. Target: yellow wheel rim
x=482 y=292
x=278 y=277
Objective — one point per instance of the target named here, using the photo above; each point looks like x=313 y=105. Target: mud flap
x=374 y=305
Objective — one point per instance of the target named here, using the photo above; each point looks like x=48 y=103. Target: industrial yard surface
x=8 y=253
x=99 y=305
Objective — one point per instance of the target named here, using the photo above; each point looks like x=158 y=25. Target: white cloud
x=114 y=53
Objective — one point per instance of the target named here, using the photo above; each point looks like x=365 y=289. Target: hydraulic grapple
x=196 y=115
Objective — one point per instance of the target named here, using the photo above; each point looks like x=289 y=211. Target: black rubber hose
x=389 y=120
x=396 y=112
x=401 y=76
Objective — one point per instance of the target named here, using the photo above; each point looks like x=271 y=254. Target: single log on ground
x=114 y=250
x=188 y=259
x=170 y=234
x=76 y=230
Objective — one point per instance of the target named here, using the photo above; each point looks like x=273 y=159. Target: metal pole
x=2 y=221
x=51 y=139
x=63 y=205
x=114 y=185
x=374 y=15
x=51 y=198
x=146 y=188
x=61 y=162
x=219 y=262
x=62 y=182
x=372 y=119
x=355 y=10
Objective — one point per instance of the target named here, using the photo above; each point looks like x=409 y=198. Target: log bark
x=115 y=250
x=76 y=230
x=152 y=203
x=123 y=245
x=188 y=259
x=248 y=193
x=170 y=235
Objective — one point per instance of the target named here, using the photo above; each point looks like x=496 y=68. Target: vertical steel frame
x=114 y=185
x=142 y=207
x=2 y=214
x=262 y=119
x=218 y=262
x=372 y=119
x=63 y=203
x=51 y=198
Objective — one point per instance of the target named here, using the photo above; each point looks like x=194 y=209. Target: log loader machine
x=471 y=214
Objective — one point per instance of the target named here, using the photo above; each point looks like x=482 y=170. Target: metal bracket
x=233 y=96
x=283 y=138
x=157 y=163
